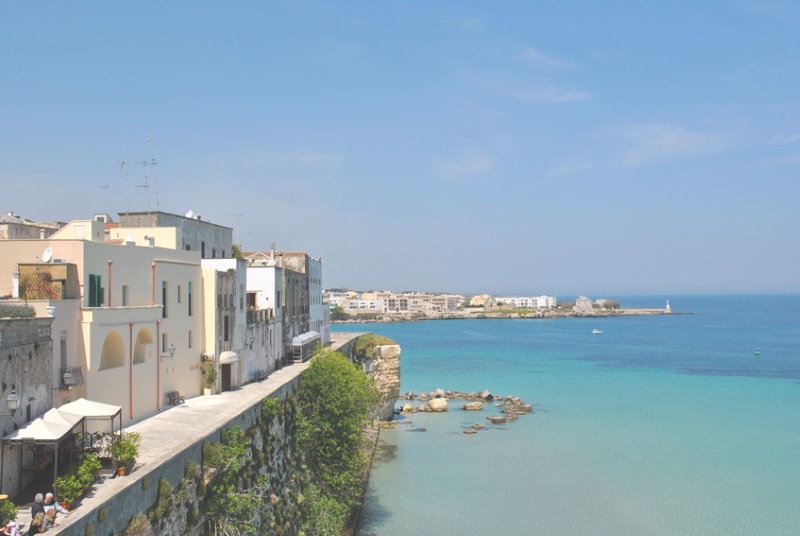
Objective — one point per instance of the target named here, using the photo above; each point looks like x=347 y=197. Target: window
x=213 y=253
x=125 y=295
x=202 y=250
x=189 y=298
x=179 y=294
x=164 y=299
x=189 y=338
x=225 y=333
x=241 y=297
x=63 y=353
x=219 y=300
x=164 y=339
x=95 y=291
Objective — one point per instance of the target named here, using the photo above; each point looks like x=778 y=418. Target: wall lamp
x=171 y=351
x=13 y=404
x=68 y=382
x=252 y=340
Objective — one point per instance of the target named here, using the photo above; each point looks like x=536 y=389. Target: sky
x=515 y=147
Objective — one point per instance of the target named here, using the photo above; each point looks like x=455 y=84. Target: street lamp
x=13 y=403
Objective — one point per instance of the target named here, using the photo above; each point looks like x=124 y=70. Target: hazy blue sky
x=564 y=148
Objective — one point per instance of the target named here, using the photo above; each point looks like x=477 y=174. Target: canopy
x=228 y=357
x=305 y=338
x=62 y=417
x=91 y=410
x=40 y=431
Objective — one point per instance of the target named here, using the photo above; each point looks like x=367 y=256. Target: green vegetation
x=124 y=449
x=336 y=401
x=364 y=346
x=16 y=311
x=209 y=375
x=337 y=313
x=236 y=251
x=77 y=479
x=8 y=512
x=229 y=505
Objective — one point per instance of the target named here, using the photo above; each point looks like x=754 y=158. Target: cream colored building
x=134 y=330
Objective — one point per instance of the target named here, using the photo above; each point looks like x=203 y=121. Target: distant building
x=528 y=302
x=583 y=305
x=189 y=232
x=13 y=227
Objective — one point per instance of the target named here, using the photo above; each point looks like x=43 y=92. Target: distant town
x=387 y=306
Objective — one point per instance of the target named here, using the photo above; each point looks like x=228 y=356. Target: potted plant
x=209 y=377
x=88 y=470
x=124 y=450
x=68 y=488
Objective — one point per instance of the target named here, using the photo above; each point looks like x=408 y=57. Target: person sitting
x=37 y=525
x=11 y=529
x=51 y=508
x=38 y=505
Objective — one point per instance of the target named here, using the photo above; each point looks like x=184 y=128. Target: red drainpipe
x=158 y=365
x=130 y=369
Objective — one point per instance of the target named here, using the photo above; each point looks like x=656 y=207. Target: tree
x=236 y=251
x=336 y=401
x=337 y=313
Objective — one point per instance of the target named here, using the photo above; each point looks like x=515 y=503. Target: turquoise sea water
x=661 y=425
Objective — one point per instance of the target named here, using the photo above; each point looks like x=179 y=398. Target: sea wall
x=173 y=497
x=257 y=482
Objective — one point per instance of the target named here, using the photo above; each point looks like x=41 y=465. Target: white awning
x=305 y=338
x=40 y=430
x=91 y=409
x=62 y=417
x=228 y=357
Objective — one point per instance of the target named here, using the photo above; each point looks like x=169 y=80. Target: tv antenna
x=147 y=163
x=238 y=217
x=108 y=198
x=123 y=169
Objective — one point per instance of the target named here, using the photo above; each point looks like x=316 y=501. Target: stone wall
x=172 y=498
x=25 y=368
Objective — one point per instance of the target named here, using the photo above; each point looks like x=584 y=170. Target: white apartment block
x=528 y=302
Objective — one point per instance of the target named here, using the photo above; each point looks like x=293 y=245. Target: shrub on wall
x=364 y=347
x=16 y=311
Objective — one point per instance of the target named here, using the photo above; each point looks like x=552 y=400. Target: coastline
x=481 y=314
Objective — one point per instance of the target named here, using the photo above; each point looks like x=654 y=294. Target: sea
x=681 y=424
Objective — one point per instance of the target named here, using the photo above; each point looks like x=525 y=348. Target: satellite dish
x=47 y=255
x=189 y=214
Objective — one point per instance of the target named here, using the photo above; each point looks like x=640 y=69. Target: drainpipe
x=153 y=298
x=130 y=369
x=158 y=365
x=110 y=286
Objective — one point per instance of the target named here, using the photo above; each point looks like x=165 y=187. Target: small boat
x=596 y=331
x=757 y=352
